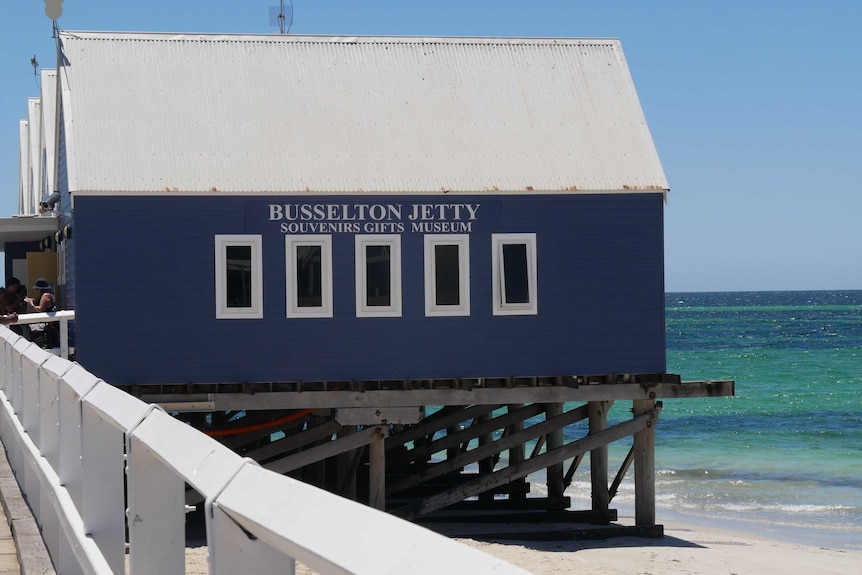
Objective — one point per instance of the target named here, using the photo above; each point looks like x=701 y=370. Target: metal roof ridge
x=335 y=38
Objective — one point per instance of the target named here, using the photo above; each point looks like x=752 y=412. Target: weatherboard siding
x=67 y=293
x=145 y=298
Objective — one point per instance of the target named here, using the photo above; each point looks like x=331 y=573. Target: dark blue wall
x=17 y=251
x=145 y=297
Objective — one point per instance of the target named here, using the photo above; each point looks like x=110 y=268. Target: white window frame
x=291 y=242
x=463 y=243
x=499 y=305
x=394 y=243
x=255 y=311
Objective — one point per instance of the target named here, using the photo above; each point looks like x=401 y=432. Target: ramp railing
x=83 y=451
x=61 y=316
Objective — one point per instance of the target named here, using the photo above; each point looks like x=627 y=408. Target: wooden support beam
x=507 y=474
x=348 y=487
x=599 y=459
x=518 y=451
x=496 y=457
x=445 y=417
x=377 y=473
x=453 y=446
x=482 y=427
x=555 y=441
x=315 y=472
x=451 y=480
x=540 y=442
x=477 y=396
x=644 y=456
x=328 y=449
x=477 y=454
x=378 y=415
x=624 y=468
x=246 y=438
x=291 y=442
x=570 y=474
x=345 y=468
x=486 y=464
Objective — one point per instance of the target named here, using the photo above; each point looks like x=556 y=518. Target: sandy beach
x=685 y=549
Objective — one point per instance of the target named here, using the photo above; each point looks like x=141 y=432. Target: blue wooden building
x=261 y=208
x=298 y=243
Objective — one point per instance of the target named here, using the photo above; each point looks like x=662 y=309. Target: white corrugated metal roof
x=34 y=115
x=49 y=129
x=24 y=178
x=196 y=113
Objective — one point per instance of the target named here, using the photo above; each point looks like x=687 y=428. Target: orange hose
x=257 y=426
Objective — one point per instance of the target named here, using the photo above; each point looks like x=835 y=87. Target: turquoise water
x=785 y=455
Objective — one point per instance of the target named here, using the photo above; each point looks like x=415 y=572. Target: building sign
x=373 y=218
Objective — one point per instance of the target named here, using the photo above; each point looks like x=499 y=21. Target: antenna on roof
x=280 y=17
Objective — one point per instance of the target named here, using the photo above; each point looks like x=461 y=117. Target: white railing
x=62 y=316
x=81 y=449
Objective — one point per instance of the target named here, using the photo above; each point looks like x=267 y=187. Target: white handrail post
x=28 y=414
x=156 y=514
x=49 y=408
x=7 y=340
x=103 y=501
x=74 y=385
x=15 y=391
x=62 y=316
x=31 y=362
x=64 y=338
x=49 y=435
x=10 y=360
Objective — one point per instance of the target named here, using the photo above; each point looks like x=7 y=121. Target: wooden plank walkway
x=8 y=553
x=22 y=550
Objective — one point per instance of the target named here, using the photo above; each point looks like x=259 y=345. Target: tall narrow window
x=447 y=275
x=514 y=274
x=239 y=277
x=378 y=276
x=309 y=276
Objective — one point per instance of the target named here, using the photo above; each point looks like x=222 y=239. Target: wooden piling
x=555 y=441
x=486 y=465
x=315 y=471
x=516 y=452
x=345 y=474
x=377 y=473
x=598 y=418
x=644 y=456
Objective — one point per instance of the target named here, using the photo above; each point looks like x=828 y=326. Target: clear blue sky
x=755 y=108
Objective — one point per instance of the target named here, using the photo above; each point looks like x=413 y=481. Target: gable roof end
x=191 y=113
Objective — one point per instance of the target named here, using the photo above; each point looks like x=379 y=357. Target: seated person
x=12 y=302
x=40 y=333
x=45 y=302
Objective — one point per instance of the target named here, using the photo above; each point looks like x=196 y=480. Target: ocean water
x=783 y=457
